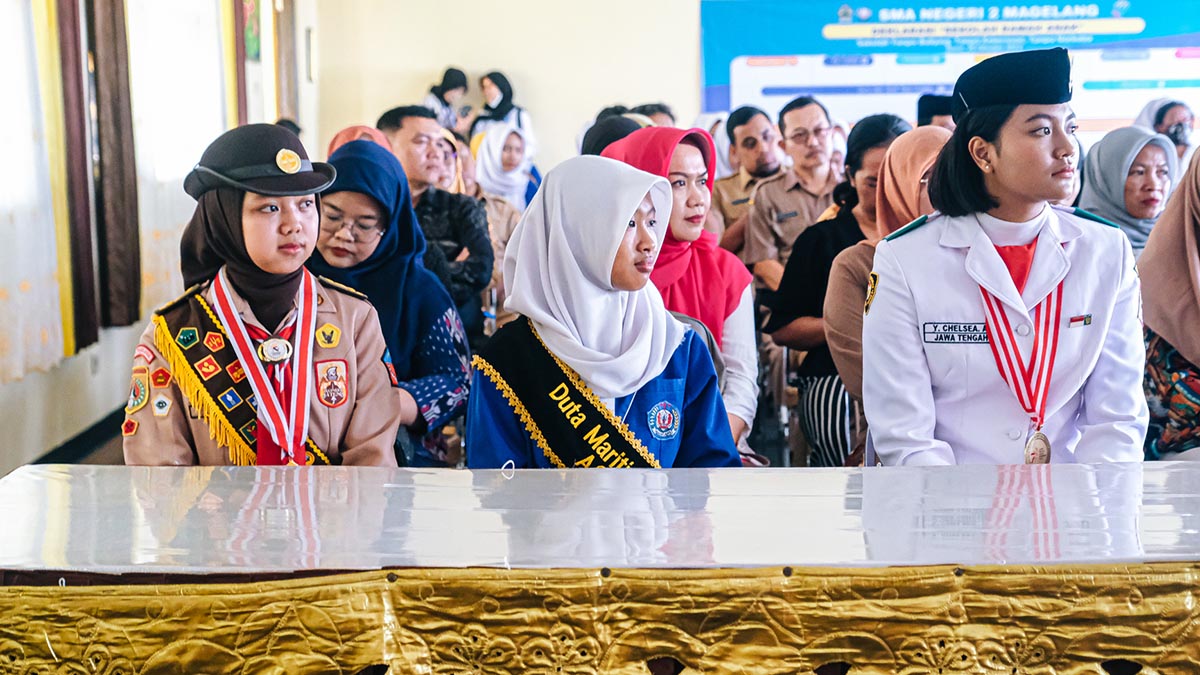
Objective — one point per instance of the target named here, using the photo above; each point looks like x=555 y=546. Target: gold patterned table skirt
x=910 y=620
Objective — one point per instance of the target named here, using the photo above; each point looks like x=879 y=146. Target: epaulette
x=1088 y=215
x=914 y=225
x=198 y=288
x=330 y=283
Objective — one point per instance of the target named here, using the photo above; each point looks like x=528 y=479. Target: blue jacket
x=687 y=386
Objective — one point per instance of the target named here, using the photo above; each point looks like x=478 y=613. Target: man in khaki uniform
x=787 y=204
x=754 y=144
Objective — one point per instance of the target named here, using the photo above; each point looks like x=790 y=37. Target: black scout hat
x=1040 y=77
x=262 y=158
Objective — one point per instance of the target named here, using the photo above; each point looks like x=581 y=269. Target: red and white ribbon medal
x=1029 y=381
x=288 y=428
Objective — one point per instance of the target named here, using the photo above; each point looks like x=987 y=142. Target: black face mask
x=1179 y=133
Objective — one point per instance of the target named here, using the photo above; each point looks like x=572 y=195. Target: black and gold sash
x=563 y=416
x=208 y=373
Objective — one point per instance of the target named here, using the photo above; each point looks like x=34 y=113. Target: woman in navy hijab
x=370 y=241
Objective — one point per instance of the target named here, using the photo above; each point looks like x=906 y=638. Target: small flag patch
x=1080 y=321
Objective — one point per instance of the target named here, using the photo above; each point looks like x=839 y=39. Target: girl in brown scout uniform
x=211 y=384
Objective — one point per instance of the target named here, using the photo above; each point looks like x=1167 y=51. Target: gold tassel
x=219 y=428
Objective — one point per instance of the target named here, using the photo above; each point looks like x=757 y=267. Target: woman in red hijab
x=696 y=277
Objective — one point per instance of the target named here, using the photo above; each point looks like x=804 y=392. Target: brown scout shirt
x=782 y=209
x=361 y=431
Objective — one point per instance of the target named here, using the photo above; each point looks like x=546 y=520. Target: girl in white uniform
x=1001 y=329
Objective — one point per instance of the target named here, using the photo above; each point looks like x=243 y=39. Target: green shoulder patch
x=1088 y=215
x=914 y=225
x=194 y=290
x=330 y=283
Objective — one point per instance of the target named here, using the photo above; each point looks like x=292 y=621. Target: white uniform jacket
x=931 y=388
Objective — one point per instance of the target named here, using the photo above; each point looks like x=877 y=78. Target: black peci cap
x=1040 y=77
x=932 y=105
x=262 y=158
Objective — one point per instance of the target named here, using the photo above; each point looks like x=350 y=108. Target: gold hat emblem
x=287 y=161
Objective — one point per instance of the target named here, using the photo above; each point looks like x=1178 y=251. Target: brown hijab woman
x=1170 y=270
x=902 y=197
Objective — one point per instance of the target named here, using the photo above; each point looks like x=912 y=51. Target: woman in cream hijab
x=1170 y=271
x=596 y=372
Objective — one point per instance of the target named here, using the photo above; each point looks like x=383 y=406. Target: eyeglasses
x=358 y=232
x=801 y=136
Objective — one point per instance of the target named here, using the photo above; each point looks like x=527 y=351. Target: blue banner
x=811 y=42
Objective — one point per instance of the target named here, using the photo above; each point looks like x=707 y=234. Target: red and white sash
x=1029 y=383
x=288 y=429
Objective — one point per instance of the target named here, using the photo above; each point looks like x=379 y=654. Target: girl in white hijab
x=596 y=373
x=501 y=167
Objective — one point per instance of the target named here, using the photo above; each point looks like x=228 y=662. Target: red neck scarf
x=696 y=278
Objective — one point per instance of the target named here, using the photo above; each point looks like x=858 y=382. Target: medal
x=1030 y=383
x=1037 y=450
x=274 y=350
x=287 y=426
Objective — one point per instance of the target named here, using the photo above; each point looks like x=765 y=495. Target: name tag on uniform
x=956 y=333
x=779 y=218
x=739 y=202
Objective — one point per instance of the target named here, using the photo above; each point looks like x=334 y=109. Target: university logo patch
x=331 y=383
x=663 y=420
x=187 y=337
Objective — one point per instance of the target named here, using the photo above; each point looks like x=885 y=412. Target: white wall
x=43 y=410
x=566 y=59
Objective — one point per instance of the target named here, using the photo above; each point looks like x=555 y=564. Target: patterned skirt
x=1172 y=385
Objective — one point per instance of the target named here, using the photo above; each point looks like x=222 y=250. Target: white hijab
x=1146 y=117
x=558 y=272
x=489 y=166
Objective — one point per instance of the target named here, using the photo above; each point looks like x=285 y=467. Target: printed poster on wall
x=870 y=56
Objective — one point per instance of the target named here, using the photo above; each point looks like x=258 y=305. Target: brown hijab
x=897 y=203
x=1170 y=269
x=898 y=199
x=213 y=237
